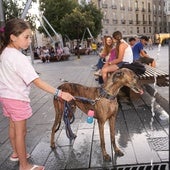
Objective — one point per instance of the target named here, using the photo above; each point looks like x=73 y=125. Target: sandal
x=15 y=158
x=36 y=166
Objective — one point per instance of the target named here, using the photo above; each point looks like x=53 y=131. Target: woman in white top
x=124 y=55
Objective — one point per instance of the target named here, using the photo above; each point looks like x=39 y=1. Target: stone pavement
x=143 y=135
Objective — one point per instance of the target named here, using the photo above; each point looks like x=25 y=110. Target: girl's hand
x=66 y=96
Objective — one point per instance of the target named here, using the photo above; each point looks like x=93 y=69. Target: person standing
x=17 y=74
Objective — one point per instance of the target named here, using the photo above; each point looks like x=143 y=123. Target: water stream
x=156 y=107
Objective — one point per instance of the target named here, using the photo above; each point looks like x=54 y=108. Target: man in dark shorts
x=139 y=54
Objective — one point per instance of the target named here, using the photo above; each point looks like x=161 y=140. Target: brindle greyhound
x=105 y=104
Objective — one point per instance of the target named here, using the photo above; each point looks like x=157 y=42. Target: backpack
x=136 y=67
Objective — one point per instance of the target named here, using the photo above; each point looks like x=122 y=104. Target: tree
x=96 y=16
x=54 y=11
x=74 y=24
x=12 y=9
x=62 y=13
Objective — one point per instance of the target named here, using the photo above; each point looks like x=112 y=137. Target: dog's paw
x=119 y=153
x=107 y=157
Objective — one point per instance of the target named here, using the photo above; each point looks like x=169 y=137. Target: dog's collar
x=103 y=93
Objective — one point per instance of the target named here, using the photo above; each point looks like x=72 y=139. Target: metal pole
x=2 y=20
x=89 y=33
x=60 y=39
x=27 y=6
x=46 y=31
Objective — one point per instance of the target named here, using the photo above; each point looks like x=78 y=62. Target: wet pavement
x=162 y=58
x=142 y=128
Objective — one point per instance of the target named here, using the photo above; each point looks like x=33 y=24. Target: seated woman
x=104 y=54
x=124 y=55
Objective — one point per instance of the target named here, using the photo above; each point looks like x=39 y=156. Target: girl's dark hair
x=14 y=26
x=117 y=35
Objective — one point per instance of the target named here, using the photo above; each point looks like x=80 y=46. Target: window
x=136 y=6
x=149 y=7
x=114 y=16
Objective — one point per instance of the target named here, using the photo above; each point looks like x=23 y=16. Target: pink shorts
x=17 y=110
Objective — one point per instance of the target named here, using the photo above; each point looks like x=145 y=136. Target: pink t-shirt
x=16 y=75
x=112 y=55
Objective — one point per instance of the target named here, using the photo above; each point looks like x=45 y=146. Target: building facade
x=167 y=12
x=133 y=17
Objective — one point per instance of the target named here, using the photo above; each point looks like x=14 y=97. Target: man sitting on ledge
x=139 y=54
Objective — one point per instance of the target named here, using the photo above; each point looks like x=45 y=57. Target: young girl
x=17 y=74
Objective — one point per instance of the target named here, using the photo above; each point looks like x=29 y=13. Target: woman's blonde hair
x=107 y=48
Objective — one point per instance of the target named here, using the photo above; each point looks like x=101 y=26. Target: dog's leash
x=67 y=110
x=86 y=100
x=67 y=122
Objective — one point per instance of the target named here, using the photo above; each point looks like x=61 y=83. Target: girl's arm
x=48 y=88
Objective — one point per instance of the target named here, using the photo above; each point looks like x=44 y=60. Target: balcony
x=130 y=21
x=105 y=21
x=114 y=6
x=144 y=22
x=123 y=21
x=115 y=21
x=104 y=5
x=137 y=9
x=150 y=22
x=138 y=22
x=129 y=8
x=122 y=8
x=143 y=10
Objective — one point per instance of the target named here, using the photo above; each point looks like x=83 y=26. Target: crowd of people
x=46 y=53
x=116 y=52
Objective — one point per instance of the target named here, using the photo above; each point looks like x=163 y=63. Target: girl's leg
x=20 y=133
x=12 y=137
x=20 y=145
x=108 y=69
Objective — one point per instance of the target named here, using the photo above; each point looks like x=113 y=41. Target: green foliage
x=74 y=24
x=12 y=9
x=96 y=16
x=69 y=18
x=54 y=11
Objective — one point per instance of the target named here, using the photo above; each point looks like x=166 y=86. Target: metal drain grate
x=159 y=143
x=145 y=167
x=160 y=166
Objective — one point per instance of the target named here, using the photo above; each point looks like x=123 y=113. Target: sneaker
x=98 y=73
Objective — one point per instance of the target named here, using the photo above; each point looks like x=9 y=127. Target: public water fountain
x=162 y=114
